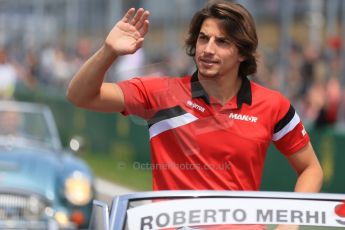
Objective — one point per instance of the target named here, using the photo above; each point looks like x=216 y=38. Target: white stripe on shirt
x=171 y=123
x=288 y=127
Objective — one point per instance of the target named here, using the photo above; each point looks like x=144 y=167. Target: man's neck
x=221 y=88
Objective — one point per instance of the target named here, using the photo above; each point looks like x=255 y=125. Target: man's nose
x=209 y=47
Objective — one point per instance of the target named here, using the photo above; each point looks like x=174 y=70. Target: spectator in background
x=8 y=75
x=130 y=65
x=11 y=123
x=312 y=68
x=312 y=102
x=56 y=67
x=328 y=111
x=46 y=65
x=82 y=53
x=61 y=69
x=31 y=68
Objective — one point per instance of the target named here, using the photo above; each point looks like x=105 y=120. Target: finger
x=139 y=43
x=137 y=16
x=145 y=28
x=143 y=18
x=128 y=15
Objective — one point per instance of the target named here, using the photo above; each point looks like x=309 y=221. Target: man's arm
x=309 y=172
x=87 y=88
x=307 y=166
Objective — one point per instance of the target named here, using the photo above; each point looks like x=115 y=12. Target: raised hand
x=127 y=36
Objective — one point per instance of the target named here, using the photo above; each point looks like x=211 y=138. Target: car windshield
x=235 y=213
x=215 y=210
x=18 y=127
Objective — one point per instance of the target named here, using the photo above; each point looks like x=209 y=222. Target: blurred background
x=44 y=42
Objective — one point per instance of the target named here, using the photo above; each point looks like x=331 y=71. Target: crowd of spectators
x=311 y=82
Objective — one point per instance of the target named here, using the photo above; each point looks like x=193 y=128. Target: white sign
x=222 y=211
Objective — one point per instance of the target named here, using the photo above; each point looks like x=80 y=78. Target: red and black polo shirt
x=197 y=143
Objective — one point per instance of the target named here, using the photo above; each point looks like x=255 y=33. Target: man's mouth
x=208 y=61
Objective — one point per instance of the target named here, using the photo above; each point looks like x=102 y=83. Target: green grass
x=119 y=171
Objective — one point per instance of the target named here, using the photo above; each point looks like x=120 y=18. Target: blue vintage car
x=42 y=186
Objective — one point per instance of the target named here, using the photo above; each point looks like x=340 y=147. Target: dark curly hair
x=237 y=23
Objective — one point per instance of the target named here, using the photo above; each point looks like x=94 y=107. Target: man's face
x=9 y=122
x=216 y=56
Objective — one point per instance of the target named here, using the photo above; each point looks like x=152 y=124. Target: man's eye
x=222 y=41
x=202 y=37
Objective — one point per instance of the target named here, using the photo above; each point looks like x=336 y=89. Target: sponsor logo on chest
x=243 y=117
x=195 y=106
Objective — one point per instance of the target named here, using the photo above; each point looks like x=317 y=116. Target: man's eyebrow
x=202 y=33
x=218 y=38
x=224 y=38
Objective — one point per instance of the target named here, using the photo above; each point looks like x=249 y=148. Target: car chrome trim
x=118 y=212
x=105 y=212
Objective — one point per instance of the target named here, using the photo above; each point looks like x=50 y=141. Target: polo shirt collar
x=244 y=95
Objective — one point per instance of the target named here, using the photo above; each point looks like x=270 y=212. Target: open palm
x=127 y=36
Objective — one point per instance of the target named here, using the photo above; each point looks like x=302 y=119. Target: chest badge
x=243 y=117
x=195 y=106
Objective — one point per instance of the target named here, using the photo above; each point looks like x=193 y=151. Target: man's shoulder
x=270 y=97
x=265 y=92
x=162 y=78
x=157 y=84
x=261 y=88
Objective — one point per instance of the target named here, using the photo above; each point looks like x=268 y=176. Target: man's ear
x=242 y=58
